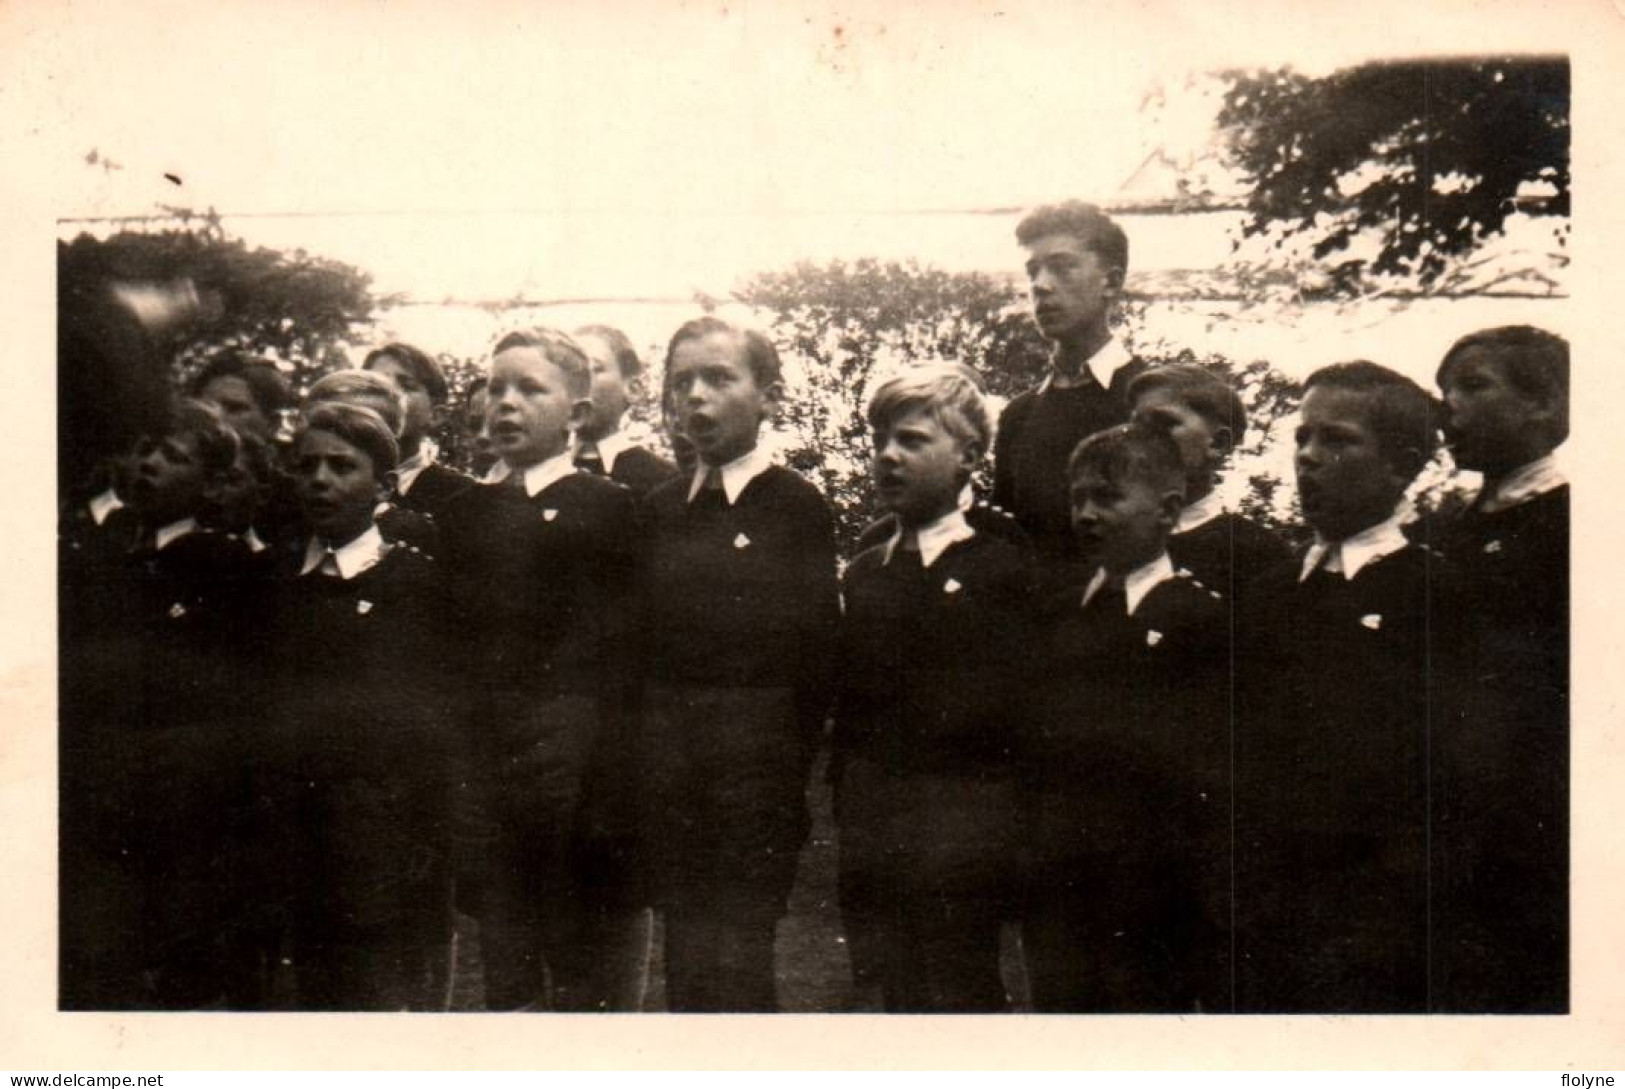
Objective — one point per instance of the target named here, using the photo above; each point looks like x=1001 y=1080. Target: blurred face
x=235 y=400
x=1202 y=446
x=416 y=404
x=1121 y=525
x=474 y=427
x=609 y=398
x=1345 y=481
x=169 y=478
x=530 y=410
x=919 y=466
x=237 y=495
x=1072 y=290
x=717 y=398
x=336 y=486
x=1491 y=426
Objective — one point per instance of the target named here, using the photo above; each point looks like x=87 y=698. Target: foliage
x=295 y=308
x=1426 y=159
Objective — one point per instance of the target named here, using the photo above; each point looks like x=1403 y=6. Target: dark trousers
x=531 y=904
x=716 y=964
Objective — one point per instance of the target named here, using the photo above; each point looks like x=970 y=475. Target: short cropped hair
x=347 y=384
x=362 y=428
x=217 y=441
x=620 y=346
x=1127 y=453
x=1198 y=389
x=1534 y=361
x=422 y=365
x=951 y=392
x=558 y=349
x=1403 y=415
x=760 y=355
x=270 y=390
x=1081 y=220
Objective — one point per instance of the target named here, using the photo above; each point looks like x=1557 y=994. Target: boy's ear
x=1170 y=506
x=1220 y=443
x=580 y=413
x=386 y=486
x=1114 y=281
x=773 y=398
x=970 y=453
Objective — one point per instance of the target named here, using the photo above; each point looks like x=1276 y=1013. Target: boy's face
x=1072 y=290
x=336 y=486
x=475 y=427
x=1346 y=482
x=416 y=405
x=1121 y=524
x=237 y=495
x=530 y=410
x=919 y=466
x=717 y=398
x=1491 y=425
x=235 y=400
x=609 y=398
x=1202 y=445
x=169 y=478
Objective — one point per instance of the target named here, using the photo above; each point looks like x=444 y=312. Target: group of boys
x=1202 y=773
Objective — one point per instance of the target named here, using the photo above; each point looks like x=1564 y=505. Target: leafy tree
x=1427 y=159
x=138 y=313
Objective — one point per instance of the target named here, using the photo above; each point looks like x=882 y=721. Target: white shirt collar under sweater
x=934 y=537
x=353 y=558
x=1110 y=358
x=1138 y=583
x=1524 y=483
x=1348 y=556
x=538 y=476
x=735 y=475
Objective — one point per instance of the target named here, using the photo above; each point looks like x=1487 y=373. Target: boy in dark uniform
x=397 y=521
x=935 y=627
x=739 y=607
x=600 y=446
x=538 y=558
x=1076 y=261
x=421 y=483
x=152 y=676
x=1501 y=770
x=1205 y=418
x=1127 y=787
x=355 y=769
x=1342 y=674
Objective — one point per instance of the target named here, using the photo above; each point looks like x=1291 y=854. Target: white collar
x=1523 y=484
x=1200 y=513
x=1348 y=556
x=104 y=504
x=253 y=541
x=735 y=475
x=353 y=558
x=538 y=476
x=408 y=471
x=1110 y=358
x=609 y=448
x=168 y=535
x=1139 y=582
x=934 y=537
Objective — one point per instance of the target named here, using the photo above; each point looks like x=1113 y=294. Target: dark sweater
x=434 y=489
x=1501 y=768
x=743 y=596
x=1036 y=436
x=1339 y=684
x=1227 y=552
x=641 y=470
x=536 y=582
x=931 y=659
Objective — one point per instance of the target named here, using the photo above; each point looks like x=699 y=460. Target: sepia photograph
x=1019 y=510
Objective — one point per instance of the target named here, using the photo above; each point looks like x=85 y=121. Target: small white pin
x=951 y=586
x=176 y=611
x=741 y=541
x=1492 y=547
x=363 y=606
x=1153 y=637
x=549 y=514
x=1372 y=620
